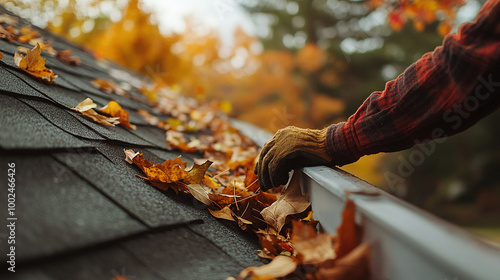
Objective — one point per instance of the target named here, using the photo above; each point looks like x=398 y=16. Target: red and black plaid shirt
x=445 y=92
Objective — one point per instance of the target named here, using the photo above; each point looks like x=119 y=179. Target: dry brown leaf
x=66 y=57
x=109 y=86
x=197 y=173
x=273 y=244
x=225 y=213
x=354 y=266
x=311 y=247
x=348 y=233
x=1 y=55
x=278 y=267
x=115 y=110
x=197 y=191
x=86 y=109
x=291 y=202
x=34 y=64
x=7 y=19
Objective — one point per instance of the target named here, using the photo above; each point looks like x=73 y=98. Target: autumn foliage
x=421 y=12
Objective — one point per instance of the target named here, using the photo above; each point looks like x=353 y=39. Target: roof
x=81 y=211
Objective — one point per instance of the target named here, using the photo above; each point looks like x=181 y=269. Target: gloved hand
x=290 y=148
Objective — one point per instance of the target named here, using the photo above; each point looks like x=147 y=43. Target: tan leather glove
x=290 y=148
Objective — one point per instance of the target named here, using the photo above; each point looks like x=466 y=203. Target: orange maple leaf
x=115 y=110
x=34 y=64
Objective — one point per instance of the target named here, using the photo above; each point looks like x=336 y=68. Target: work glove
x=290 y=148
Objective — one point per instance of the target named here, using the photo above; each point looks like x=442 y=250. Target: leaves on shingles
x=86 y=108
x=1 y=55
x=114 y=109
x=278 y=267
x=109 y=86
x=172 y=174
x=66 y=57
x=34 y=64
x=291 y=202
x=349 y=234
x=7 y=19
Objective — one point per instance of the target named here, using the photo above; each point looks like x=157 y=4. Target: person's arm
x=443 y=93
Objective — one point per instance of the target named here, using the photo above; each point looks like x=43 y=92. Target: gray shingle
x=21 y=127
x=11 y=83
x=60 y=95
x=57 y=211
x=183 y=254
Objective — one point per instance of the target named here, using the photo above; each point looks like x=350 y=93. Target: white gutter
x=407 y=242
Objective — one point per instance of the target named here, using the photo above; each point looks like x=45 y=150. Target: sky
x=221 y=15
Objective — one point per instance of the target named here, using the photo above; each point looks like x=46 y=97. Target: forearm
x=443 y=93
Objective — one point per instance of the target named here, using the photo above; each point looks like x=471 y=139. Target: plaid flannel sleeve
x=443 y=93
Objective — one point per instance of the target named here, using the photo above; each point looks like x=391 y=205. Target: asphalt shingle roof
x=82 y=212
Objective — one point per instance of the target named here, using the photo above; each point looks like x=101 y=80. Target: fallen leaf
x=8 y=33
x=348 y=233
x=291 y=202
x=66 y=57
x=44 y=45
x=278 y=267
x=148 y=117
x=165 y=172
x=197 y=173
x=34 y=64
x=109 y=86
x=210 y=182
x=224 y=213
x=115 y=110
x=27 y=34
x=10 y=20
x=311 y=247
x=1 y=55
x=354 y=266
x=86 y=109
x=273 y=244
x=130 y=155
x=199 y=193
